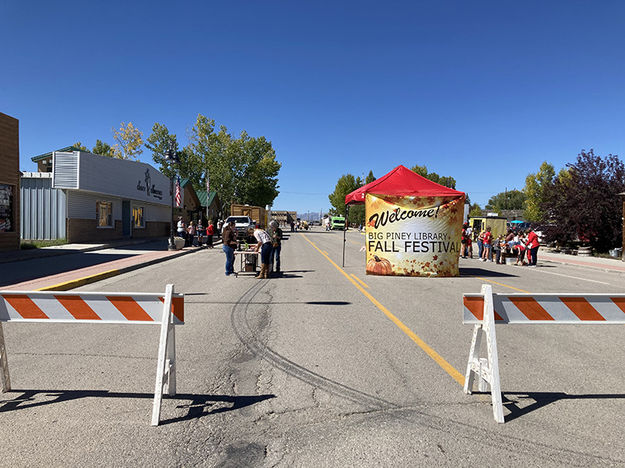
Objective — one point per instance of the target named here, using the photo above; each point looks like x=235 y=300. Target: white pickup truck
x=243 y=225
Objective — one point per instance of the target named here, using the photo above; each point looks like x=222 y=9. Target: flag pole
x=208 y=191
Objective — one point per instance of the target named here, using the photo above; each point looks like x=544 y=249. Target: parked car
x=243 y=225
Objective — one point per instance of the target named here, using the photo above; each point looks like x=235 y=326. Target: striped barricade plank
x=486 y=309
x=100 y=307
x=548 y=308
x=165 y=310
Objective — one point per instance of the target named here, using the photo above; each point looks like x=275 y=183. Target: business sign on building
x=105 y=175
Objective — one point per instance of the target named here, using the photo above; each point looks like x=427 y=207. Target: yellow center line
x=360 y=281
x=457 y=376
x=504 y=285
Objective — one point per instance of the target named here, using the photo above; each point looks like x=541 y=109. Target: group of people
x=196 y=234
x=522 y=245
x=269 y=244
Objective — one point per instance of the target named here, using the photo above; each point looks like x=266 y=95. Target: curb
x=66 y=286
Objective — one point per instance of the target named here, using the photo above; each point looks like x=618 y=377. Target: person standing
x=497 y=243
x=469 y=241
x=520 y=259
x=199 y=229
x=532 y=248
x=276 y=243
x=487 y=253
x=264 y=246
x=229 y=244
x=191 y=234
x=463 y=241
x=210 y=232
x=480 y=244
x=181 y=229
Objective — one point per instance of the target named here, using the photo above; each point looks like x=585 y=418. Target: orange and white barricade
x=486 y=309
x=166 y=310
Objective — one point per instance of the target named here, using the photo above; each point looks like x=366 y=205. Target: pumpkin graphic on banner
x=413 y=236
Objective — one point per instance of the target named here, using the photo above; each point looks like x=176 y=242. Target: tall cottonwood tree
x=241 y=170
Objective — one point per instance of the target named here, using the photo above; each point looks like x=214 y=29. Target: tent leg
x=344 y=230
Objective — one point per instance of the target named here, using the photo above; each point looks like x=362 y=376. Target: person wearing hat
x=229 y=244
x=264 y=245
x=276 y=244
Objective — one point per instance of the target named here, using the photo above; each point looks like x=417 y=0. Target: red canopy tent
x=401 y=181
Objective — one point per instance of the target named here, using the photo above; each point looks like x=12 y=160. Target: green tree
x=159 y=143
x=536 y=188
x=258 y=184
x=80 y=146
x=129 y=141
x=509 y=200
x=104 y=149
x=475 y=211
x=241 y=170
x=347 y=183
x=215 y=152
x=370 y=178
x=447 y=181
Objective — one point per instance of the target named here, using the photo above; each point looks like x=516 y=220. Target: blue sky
x=481 y=91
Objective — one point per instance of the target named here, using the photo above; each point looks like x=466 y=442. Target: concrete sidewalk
x=78 y=277
x=608 y=264
x=65 y=249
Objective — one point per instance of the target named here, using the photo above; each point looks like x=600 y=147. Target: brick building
x=9 y=183
x=102 y=198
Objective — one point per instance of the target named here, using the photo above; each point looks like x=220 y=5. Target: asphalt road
x=308 y=370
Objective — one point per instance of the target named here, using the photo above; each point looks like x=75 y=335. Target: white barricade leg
x=474 y=355
x=5 y=380
x=487 y=370
x=161 y=370
x=493 y=357
x=170 y=367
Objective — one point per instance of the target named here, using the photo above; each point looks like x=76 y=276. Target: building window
x=104 y=214
x=137 y=217
x=7 y=221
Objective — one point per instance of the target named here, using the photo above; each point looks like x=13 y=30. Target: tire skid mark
x=376 y=407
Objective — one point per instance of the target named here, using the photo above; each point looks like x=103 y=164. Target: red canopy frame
x=401 y=181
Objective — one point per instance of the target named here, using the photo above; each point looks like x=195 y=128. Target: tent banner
x=413 y=236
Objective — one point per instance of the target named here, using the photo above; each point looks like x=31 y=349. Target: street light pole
x=172 y=158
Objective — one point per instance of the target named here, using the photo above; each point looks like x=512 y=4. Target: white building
x=104 y=198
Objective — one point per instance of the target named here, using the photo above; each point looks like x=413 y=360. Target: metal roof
x=204 y=200
x=67 y=149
